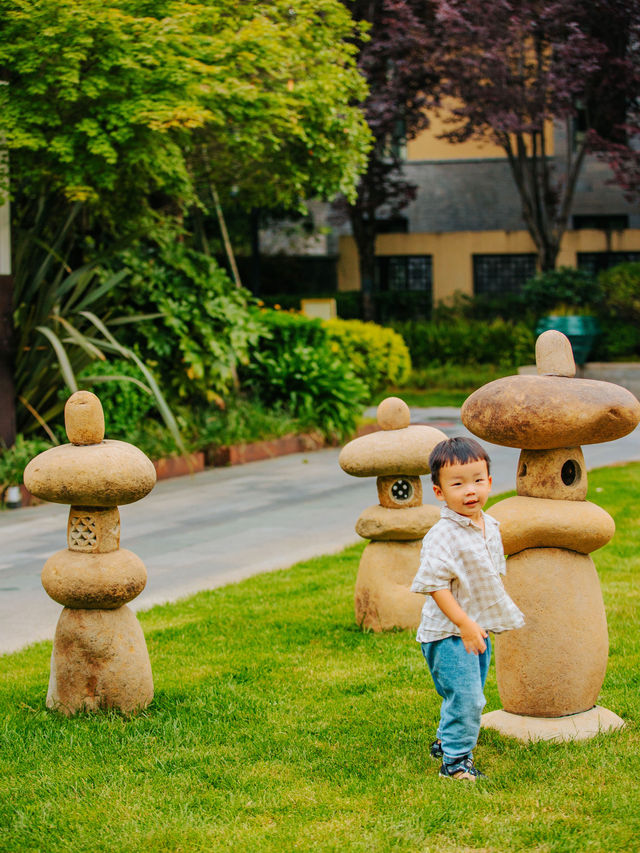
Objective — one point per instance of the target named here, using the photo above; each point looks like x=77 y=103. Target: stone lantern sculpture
x=100 y=657
x=397 y=455
x=550 y=671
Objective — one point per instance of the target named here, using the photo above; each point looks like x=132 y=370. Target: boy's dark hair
x=456 y=450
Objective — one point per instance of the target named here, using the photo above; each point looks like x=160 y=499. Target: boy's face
x=464 y=487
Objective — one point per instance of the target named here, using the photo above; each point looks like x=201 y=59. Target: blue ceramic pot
x=582 y=330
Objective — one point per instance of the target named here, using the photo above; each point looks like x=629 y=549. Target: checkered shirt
x=457 y=556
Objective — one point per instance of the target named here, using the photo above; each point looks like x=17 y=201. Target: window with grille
x=601 y=221
x=595 y=262
x=496 y=275
x=405 y=272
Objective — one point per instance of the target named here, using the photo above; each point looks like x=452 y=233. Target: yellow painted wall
x=427 y=146
x=452 y=253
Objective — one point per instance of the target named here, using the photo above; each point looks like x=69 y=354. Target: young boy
x=461 y=562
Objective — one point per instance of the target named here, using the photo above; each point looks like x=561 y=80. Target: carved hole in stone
x=523 y=470
x=401 y=491
x=570 y=472
x=82 y=533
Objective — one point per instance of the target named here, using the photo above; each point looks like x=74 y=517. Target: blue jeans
x=459 y=678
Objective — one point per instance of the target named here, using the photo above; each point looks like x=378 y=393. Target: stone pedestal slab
x=581 y=726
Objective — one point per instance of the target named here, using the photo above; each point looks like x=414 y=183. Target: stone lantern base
x=580 y=726
x=99 y=661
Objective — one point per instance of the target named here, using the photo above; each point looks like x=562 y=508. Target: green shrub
x=620 y=286
x=124 y=402
x=617 y=341
x=377 y=355
x=294 y=365
x=282 y=329
x=200 y=325
x=562 y=289
x=243 y=420
x=13 y=460
x=460 y=340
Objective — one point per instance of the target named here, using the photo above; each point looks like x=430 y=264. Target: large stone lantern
x=396 y=455
x=550 y=671
x=100 y=657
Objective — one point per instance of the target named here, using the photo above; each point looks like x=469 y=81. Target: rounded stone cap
x=388 y=524
x=554 y=355
x=391 y=451
x=393 y=413
x=84 y=418
x=105 y=474
x=545 y=412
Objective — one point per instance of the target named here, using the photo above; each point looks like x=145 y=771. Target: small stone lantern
x=100 y=657
x=397 y=455
x=550 y=671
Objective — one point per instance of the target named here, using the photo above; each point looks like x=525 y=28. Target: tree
x=394 y=59
x=529 y=64
x=137 y=108
x=119 y=105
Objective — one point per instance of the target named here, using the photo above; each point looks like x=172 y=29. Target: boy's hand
x=473 y=636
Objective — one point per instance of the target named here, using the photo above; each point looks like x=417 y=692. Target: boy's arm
x=471 y=633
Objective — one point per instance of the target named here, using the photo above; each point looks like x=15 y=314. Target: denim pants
x=459 y=677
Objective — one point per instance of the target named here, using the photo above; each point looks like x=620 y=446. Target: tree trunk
x=364 y=234
x=7 y=391
x=256 y=272
x=548 y=255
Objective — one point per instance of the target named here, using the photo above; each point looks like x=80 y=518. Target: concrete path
x=224 y=524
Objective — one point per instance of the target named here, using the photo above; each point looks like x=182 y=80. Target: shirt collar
x=463 y=521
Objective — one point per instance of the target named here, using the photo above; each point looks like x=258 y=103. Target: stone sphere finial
x=393 y=413
x=554 y=356
x=84 y=418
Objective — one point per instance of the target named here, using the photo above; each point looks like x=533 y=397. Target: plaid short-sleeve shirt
x=456 y=555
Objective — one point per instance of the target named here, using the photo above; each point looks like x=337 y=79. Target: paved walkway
x=222 y=525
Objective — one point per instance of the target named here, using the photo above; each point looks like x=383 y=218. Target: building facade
x=464 y=232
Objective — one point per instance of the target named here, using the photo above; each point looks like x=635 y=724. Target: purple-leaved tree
x=396 y=62
x=515 y=70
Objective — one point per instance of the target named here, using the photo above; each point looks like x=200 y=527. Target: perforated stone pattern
x=93 y=530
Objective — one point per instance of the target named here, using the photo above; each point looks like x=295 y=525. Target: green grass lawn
x=278 y=725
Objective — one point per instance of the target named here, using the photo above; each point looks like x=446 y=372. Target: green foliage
x=125 y=403
x=135 y=108
x=241 y=421
x=460 y=340
x=13 y=460
x=562 y=290
x=620 y=287
x=294 y=364
x=445 y=384
x=617 y=341
x=310 y=734
x=201 y=328
x=377 y=355
x=58 y=330
x=619 y=313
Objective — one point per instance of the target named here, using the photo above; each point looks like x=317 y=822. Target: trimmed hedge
x=460 y=340
x=378 y=355
x=293 y=364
